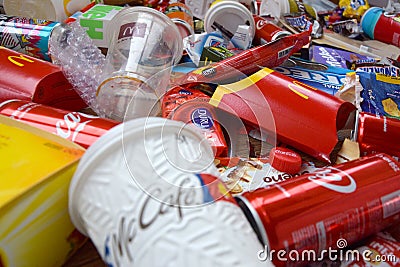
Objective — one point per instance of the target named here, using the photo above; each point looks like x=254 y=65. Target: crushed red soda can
x=304 y=117
x=78 y=127
x=249 y=61
x=192 y=107
x=318 y=211
x=35 y=80
x=376 y=134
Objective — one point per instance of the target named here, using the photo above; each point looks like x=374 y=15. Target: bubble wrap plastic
x=81 y=61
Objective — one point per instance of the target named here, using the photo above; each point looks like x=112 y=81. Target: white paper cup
x=138 y=196
x=143 y=42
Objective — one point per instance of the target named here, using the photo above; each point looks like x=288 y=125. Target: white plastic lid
x=131 y=139
x=229 y=14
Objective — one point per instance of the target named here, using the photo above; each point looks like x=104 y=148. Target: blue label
x=184 y=92
x=380 y=97
x=329 y=82
x=202 y=118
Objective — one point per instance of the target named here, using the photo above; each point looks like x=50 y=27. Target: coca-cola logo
x=260 y=24
x=72 y=124
x=334 y=179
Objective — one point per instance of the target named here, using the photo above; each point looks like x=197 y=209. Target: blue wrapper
x=381 y=94
x=337 y=57
x=325 y=78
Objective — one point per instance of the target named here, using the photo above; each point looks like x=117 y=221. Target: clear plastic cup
x=143 y=42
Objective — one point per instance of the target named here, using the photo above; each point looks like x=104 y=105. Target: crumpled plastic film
x=81 y=61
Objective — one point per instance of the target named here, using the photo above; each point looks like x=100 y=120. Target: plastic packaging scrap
x=380 y=94
x=82 y=62
x=354 y=9
x=251 y=60
x=337 y=57
x=326 y=78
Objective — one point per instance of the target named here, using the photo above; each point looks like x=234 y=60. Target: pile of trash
x=209 y=133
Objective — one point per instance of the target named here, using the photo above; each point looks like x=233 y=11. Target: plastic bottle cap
x=285 y=160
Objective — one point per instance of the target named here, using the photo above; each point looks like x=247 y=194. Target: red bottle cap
x=285 y=160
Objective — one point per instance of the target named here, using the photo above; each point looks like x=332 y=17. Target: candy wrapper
x=192 y=107
x=299 y=22
x=323 y=77
x=338 y=58
x=249 y=175
x=380 y=94
x=388 y=70
x=354 y=8
x=348 y=28
x=249 y=61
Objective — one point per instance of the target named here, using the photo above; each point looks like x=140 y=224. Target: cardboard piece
x=36 y=168
x=32 y=79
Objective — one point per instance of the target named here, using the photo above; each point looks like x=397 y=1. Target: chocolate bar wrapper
x=323 y=77
x=249 y=61
x=380 y=94
x=338 y=58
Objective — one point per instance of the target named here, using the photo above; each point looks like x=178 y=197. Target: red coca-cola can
x=376 y=134
x=267 y=31
x=81 y=128
x=325 y=210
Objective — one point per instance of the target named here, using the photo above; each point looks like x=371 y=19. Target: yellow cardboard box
x=35 y=171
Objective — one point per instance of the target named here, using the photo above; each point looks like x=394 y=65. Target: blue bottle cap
x=369 y=20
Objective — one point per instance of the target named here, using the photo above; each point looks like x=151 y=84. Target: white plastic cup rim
x=157 y=14
x=98 y=150
x=219 y=8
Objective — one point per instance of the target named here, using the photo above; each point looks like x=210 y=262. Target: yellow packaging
x=354 y=9
x=36 y=168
